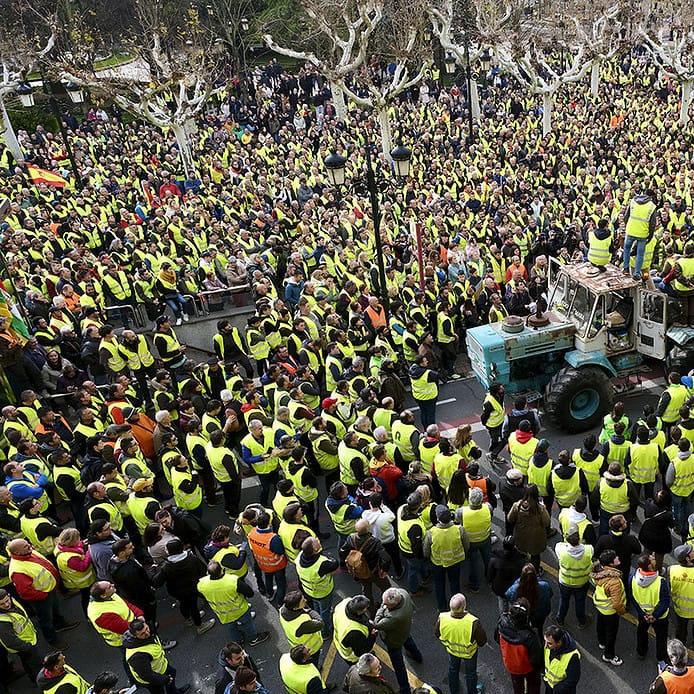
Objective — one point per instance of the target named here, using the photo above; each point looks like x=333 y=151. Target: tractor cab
x=612 y=313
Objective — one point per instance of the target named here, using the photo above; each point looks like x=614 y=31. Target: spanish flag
x=47 y=177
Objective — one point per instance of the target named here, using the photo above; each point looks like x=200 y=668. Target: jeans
x=49 y=616
x=681 y=508
x=682 y=628
x=246 y=631
x=440 y=575
x=398 y=662
x=232 y=496
x=267 y=480
x=607 y=628
x=470 y=673
x=660 y=629
x=532 y=679
x=579 y=593
x=325 y=609
x=496 y=440
x=427 y=412
x=478 y=550
x=417 y=573
x=177 y=304
x=280 y=580
x=640 y=252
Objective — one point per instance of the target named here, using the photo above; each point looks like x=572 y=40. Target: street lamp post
x=335 y=165
x=485 y=61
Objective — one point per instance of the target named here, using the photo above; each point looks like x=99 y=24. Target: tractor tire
x=577 y=399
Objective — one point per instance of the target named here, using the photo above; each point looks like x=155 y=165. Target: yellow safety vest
x=446 y=546
x=118 y=286
x=42 y=580
x=215 y=455
x=497 y=415
x=445 y=466
x=477 y=523
x=137 y=506
x=287 y=531
x=303 y=492
x=555 y=668
x=591 y=468
x=71 y=677
x=114 y=605
x=233 y=550
x=115 y=361
x=342 y=625
x=643 y=465
x=422 y=389
x=22 y=626
x=345 y=455
x=683 y=484
x=599 y=250
x=614 y=499
x=402 y=438
x=312 y=641
x=678 y=396
x=314 y=585
x=574 y=572
x=427 y=454
x=521 y=453
x=142 y=356
x=159 y=662
x=455 y=633
x=403 y=527
x=539 y=476
x=296 y=677
x=565 y=524
x=617 y=452
x=223 y=597
x=648 y=598
x=257 y=448
x=70 y=472
x=639 y=217
x=681 y=579
x=29 y=527
x=566 y=491
x=442 y=322
x=72 y=578
x=185 y=500
x=603 y=603
x=687 y=266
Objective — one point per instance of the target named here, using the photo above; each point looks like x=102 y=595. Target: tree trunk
x=8 y=134
x=546 y=114
x=686 y=100
x=594 y=79
x=474 y=99
x=339 y=101
x=185 y=150
x=386 y=134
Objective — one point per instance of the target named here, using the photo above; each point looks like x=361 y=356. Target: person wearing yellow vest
x=671 y=399
x=562 y=661
x=445 y=546
x=600 y=245
x=138 y=354
x=492 y=417
x=299 y=673
x=110 y=354
x=566 y=482
x=610 y=602
x=40 y=530
x=651 y=595
x=675 y=677
x=614 y=450
x=462 y=635
x=575 y=563
x=142 y=504
x=425 y=389
x=477 y=521
x=521 y=445
x=301 y=625
x=56 y=676
x=576 y=515
x=9 y=515
x=228 y=595
x=109 y=614
x=75 y=564
x=18 y=635
x=147 y=661
x=187 y=492
x=36 y=581
x=293 y=530
x=23 y=484
x=641 y=220
x=683 y=284
x=406 y=436
x=411 y=531
x=258 y=452
x=221 y=549
x=353 y=633
x=679 y=479
x=225 y=470
x=171 y=351
x=615 y=494
x=681 y=581
x=592 y=463
x=642 y=463
x=68 y=485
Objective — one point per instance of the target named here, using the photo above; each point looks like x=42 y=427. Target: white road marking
x=439 y=402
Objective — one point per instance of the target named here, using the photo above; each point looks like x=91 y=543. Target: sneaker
x=178 y=321
x=186 y=317
x=616 y=661
x=68 y=626
x=260 y=637
x=601 y=646
x=252 y=614
x=206 y=626
x=626 y=271
x=168 y=645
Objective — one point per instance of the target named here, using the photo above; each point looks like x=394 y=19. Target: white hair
x=366 y=663
x=160 y=416
x=458 y=603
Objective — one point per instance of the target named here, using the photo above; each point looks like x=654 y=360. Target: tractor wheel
x=577 y=399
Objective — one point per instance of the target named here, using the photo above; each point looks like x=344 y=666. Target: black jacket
x=132 y=581
x=505 y=568
x=180 y=573
x=524 y=636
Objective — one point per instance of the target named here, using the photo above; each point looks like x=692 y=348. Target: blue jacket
x=544 y=601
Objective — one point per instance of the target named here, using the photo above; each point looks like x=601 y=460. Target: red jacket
x=25 y=583
x=114 y=622
x=389 y=474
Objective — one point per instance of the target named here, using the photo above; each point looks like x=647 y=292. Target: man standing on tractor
x=641 y=220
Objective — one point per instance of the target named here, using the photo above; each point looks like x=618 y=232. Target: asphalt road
x=195 y=656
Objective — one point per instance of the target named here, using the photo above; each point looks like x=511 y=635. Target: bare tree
x=177 y=67
x=668 y=32
x=354 y=41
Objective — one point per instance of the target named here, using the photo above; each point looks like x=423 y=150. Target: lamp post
x=485 y=61
x=335 y=165
x=468 y=78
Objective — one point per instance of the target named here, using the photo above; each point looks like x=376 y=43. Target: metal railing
x=137 y=312
x=204 y=296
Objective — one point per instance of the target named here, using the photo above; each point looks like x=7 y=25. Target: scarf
x=167 y=277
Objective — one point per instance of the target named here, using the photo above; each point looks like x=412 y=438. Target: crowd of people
x=131 y=442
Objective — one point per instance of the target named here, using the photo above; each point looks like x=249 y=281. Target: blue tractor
x=601 y=330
